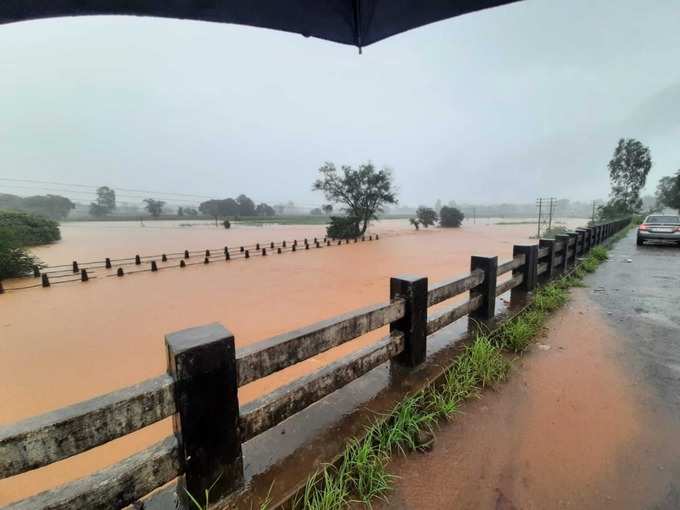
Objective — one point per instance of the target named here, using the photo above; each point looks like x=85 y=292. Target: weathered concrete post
x=271 y=245
x=120 y=271
x=138 y=260
x=247 y=254
x=264 y=252
x=186 y=254
x=202 y=361
x=107 y=263
x=278 y=250
x=549 y=259
x=564 y=239
x=182 y=263
x=574 y=236
x=83 y=275
x=487 y=289
x=528 y=270
x=580 y=242
x=413 y=289
x=284 y=244
x=154 y=266
x=75 y=267
x=164 y=258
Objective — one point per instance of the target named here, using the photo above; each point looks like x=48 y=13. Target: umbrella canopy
x=356 y=22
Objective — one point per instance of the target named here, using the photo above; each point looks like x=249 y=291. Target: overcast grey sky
x=503 y=105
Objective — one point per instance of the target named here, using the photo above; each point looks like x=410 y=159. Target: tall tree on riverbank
x=105 y=203
x=628 y=170
x=154 y=207
x=363 y=191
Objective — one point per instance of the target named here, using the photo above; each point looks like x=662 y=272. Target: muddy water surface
x=75 y=341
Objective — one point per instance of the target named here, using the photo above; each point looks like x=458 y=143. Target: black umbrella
x=356 y=22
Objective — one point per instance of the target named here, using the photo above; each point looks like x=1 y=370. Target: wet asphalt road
x=639 y=289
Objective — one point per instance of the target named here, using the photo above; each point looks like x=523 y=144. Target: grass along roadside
x=361 y=474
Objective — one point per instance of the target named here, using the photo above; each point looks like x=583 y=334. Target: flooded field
x=78 y=340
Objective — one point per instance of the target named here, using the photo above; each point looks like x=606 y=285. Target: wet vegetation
x=361 y=475
x=18 y=230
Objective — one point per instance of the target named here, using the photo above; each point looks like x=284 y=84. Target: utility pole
x=539 y=203
x=593 y=218
x=550 y=216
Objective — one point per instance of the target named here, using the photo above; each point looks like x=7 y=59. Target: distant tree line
x=54 y=207
x=242 y=205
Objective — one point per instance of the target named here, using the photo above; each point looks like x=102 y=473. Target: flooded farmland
x=74 y=341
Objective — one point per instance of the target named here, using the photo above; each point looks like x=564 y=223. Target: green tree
x=628 y=170
x=105 y=203
x=364 y=191
x=213 y=208
x=54 y=207
x=327 y=209
x=415 y=222
x=246 y=207
x=450 y=217
x=426 y=216
x=668 y=191
x=180 y=211
x=154 y=207
x=265 y=210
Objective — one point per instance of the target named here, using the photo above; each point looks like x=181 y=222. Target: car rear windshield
x=663 y=219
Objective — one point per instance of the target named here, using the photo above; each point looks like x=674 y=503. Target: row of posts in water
x=154 y=266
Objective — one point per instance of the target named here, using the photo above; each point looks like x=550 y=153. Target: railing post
x=413 y=325
x=486 y=289
x=528 y=270
x=549 y=259
x=564 y=239
x=574 y=236
x=202 y=361
x=580 y=242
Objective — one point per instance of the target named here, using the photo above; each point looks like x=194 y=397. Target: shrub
x=226 y=224
x=426 y=216
x=14 y=260
x=24 y=229
x=450 y=217
x=343 y=227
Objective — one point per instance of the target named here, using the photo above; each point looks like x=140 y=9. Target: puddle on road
x=571 y=429
x=76 y=341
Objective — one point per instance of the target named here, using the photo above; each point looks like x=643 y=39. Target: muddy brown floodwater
x=78 y=340
x=571 y=429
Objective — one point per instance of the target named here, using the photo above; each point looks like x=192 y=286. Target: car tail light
x=644 y=227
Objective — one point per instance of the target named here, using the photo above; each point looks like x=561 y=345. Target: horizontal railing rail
x=451 y=288
x=268 y=356
x=205 y=371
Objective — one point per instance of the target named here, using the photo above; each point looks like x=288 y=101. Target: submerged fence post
x=83 y=275
x=549 y=259
x=75 y=267
x=154 y=266
x=107 y=263
x=413 y=289
x=528 y=270
x=138 y=260
x=186 y=254
x=45 y=280
x=120 y=271
x=202 y=361
x=487 y=289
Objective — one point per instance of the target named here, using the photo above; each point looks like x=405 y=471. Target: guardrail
x=205 y=370
x=86 y=271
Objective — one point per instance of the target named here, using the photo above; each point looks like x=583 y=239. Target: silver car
x=659 y=227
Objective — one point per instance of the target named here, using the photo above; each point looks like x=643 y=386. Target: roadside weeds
x=361 y=476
